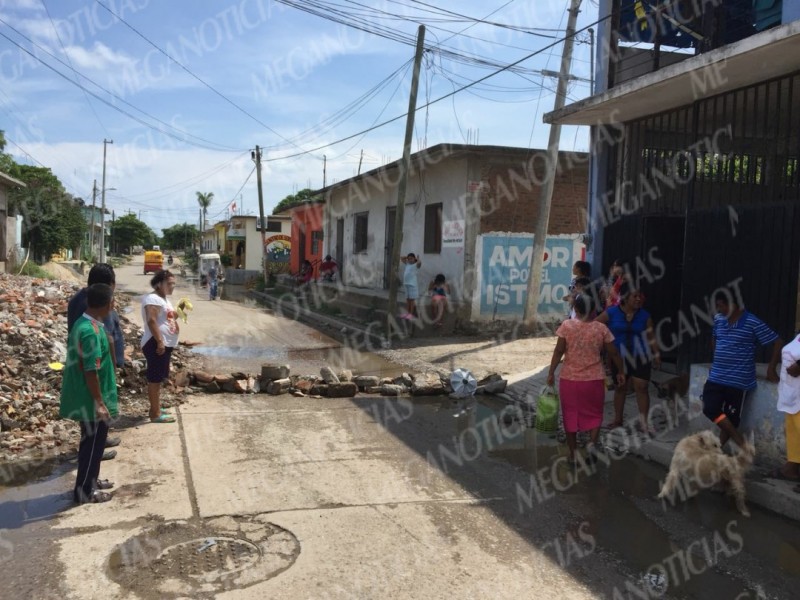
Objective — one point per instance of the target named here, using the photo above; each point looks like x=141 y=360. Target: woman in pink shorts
x=581 y=380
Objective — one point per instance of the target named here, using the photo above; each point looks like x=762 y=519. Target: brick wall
x=510 y=199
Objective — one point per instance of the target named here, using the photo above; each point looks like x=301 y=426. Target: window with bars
x=360 y=222
x=433 y=229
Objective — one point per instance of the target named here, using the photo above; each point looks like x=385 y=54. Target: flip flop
x=104 y=484
x=778 y=474
x=163 y=418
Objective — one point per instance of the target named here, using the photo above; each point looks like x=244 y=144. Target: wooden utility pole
x=91 y=231
x=256 y=156
x=531 y=315
x=405 y=167
x=103 y=206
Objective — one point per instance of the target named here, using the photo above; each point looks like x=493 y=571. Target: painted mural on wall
x=279 y=249
x=504 y=264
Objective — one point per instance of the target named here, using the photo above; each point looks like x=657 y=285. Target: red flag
x=233 y=207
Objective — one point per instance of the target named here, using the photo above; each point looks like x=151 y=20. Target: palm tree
x=204 y=200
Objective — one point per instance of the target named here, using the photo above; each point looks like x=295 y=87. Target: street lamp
x=103 y=206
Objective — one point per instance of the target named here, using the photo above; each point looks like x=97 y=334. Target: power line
x=64 y=50
x=213 y=145
x=182 y=66
x=235 y=195
x=506 y=67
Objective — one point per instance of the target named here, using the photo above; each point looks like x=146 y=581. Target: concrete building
x=695 y=175
x=307 y=235
x=469 y=214
x=8 y=224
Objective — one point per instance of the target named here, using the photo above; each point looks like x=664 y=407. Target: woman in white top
x=789 y=403
x=161 y=331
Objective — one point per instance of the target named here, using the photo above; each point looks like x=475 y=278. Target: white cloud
x=99 y=57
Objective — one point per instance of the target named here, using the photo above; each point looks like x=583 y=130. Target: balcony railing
x=651 y=34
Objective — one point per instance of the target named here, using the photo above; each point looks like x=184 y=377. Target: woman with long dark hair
x=635 y=340
x=160 y=337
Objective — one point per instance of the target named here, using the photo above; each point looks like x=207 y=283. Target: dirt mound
x=61 y=272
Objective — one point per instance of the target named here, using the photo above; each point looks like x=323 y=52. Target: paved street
x=370 y=498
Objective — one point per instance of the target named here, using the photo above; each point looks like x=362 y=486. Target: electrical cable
x=192 y=74
x=64 y=50
x=110 y=104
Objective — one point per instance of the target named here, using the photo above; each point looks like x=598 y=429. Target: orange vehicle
x=153 y=261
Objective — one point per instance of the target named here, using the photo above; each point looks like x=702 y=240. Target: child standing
x=412 y=265
x=89 y=391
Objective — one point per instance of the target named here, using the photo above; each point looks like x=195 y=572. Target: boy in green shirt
x=89 y=391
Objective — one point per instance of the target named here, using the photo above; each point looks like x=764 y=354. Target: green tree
x=181 y=235
x=204 y=200
x=304 y=196
x=128 y=231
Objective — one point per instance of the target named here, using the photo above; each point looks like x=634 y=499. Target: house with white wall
x=469 y=214
x=8 y=225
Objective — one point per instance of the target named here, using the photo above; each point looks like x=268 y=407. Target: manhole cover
x=202 y=558
x=215 y=556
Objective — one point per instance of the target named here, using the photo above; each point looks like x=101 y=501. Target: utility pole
x=360 y=160
x=91 y=231
x=103 y=207
x=256 y=156
x=324 y=171
x=113 y=221
x=531 y=315
x=405 y=167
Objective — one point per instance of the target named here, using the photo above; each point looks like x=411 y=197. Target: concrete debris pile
x=33 y=340
x=277 y=379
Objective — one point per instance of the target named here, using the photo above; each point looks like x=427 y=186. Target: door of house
x=388 y=268
x=302 y=246
x=340 y=247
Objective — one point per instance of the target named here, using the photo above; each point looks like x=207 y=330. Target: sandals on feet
x=163 y=418
x=104 y=484
x=96 y=497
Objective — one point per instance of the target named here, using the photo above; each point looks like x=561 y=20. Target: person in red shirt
x=328 y=268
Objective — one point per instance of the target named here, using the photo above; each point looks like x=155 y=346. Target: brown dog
x=699 y=463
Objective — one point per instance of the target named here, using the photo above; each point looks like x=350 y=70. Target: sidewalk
x=772 y=494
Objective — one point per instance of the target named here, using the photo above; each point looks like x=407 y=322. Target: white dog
x=699 y=463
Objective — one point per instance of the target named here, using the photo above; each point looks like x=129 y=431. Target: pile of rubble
x=276 y=380
x=33 y=335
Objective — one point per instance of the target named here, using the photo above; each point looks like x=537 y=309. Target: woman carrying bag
x=581 y=380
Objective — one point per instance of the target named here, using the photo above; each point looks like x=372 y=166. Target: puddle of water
x=620 y=525
x=34 y=491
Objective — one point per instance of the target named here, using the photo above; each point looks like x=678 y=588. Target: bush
x=226 y=260
x=31 y=269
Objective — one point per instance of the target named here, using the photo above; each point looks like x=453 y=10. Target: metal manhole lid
x=204 y=557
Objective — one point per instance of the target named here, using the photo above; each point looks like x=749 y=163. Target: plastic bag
x=547 y=410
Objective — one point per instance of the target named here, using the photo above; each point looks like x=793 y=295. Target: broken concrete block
x=279 y=386
x=427 y=384
x=365 y=381
x=328 y=375
x=182 y=379
x=318 y=389
x=346 y=389
x=373 y=389
x=345 y=375
x=493 y=387
x=391 y=389
x=404 y=379
x=203 y=377
x=304 y=385
x=272 y=372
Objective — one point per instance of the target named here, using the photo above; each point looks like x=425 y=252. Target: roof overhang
x=10 y=181
x=766 y=55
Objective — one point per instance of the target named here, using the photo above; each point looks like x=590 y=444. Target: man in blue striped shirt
x=737 y=334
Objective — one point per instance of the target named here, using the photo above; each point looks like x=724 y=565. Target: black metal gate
x=715 y=186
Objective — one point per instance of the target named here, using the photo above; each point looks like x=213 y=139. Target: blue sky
x=261 y=72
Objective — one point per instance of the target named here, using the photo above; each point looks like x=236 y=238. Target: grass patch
x=31 y=269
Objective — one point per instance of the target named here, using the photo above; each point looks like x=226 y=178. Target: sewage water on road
x=756 y=557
